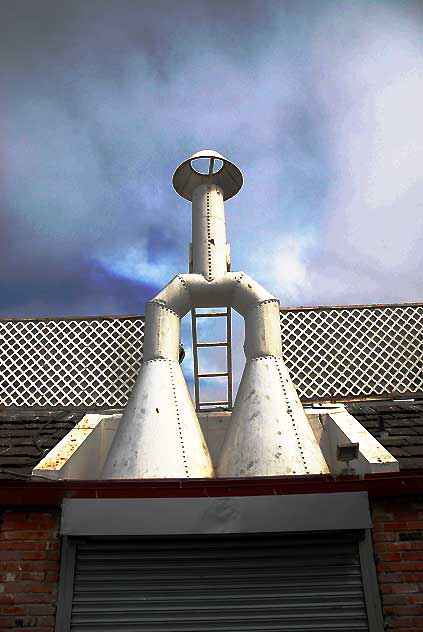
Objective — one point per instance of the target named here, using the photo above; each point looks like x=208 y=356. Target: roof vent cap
x=207 y=167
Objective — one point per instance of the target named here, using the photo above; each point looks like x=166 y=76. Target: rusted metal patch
x=63 y=451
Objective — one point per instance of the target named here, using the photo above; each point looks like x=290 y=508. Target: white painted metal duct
x=159 y=435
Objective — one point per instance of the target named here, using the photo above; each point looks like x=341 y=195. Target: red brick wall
x=398 y=542
x=29 y=569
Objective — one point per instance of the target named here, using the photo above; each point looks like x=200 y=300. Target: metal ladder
x=199 y=405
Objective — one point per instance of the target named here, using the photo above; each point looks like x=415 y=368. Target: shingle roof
x=397 y=425
x=26 y=437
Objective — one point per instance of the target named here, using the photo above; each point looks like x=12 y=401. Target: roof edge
x=37 y=492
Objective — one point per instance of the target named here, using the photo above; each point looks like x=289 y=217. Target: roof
x=397 y=425
x=26 y=437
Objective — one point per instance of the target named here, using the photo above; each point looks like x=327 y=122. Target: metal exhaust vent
x=159 y=436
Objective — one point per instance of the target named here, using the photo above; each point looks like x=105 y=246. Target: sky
x=317 y=101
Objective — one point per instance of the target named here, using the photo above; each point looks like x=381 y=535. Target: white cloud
x=372 y=221
x=133 y=263
x=283 y=265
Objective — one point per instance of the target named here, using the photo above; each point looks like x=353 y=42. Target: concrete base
x=82 y=452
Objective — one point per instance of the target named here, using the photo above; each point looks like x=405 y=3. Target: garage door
x=220 y=583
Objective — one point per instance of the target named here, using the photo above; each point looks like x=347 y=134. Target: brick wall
x=29 y=569
x=398 y=542
x=30 y=550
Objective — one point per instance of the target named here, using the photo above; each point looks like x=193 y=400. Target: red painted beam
x=36 y=492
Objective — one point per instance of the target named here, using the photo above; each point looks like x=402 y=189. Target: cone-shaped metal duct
x=159 y=435
x=269 y=433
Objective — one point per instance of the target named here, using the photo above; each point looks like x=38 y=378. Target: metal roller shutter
x=219 y=583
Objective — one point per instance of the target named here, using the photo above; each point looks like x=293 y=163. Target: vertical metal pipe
x=162 y=333
x=208 y=231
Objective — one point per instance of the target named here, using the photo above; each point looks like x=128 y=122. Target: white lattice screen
x=92 y=363
x=79 y=363
x=354 y=351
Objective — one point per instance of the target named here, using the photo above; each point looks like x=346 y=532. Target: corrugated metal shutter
x=219 y=583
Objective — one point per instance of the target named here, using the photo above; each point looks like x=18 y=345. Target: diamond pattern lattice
x=92 y=363
x=357 y=351
x=82 y=363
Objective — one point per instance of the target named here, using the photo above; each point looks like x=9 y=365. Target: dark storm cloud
x=102 y=100
x=83 y=289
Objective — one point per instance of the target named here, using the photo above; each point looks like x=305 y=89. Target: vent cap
x=207 y=167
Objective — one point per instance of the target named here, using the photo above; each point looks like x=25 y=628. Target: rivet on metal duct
x=159 y=435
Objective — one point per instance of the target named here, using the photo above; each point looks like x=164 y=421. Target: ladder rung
x=226 y=375
x=211 y=314
x=222 y=374
x=213 y=403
